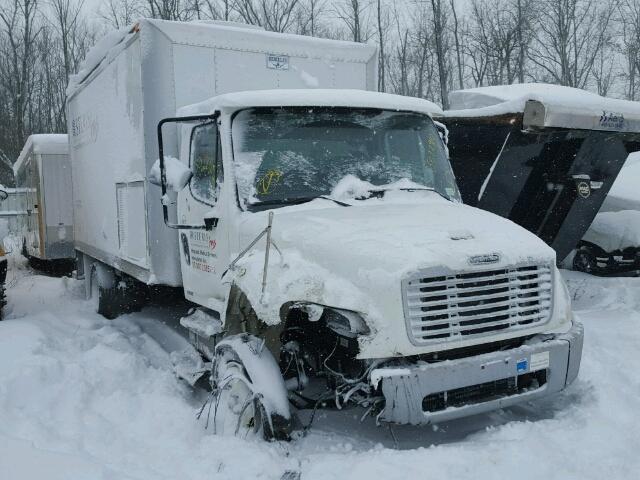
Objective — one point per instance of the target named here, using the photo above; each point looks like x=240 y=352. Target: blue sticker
x=522 y=365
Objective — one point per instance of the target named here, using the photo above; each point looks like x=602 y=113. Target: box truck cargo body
x=43 y=172
x=138 y=76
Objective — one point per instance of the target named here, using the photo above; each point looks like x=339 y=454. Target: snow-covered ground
x=84 y=398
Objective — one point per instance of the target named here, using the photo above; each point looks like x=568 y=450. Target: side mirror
x=177 y=174
x=3 y=195
x=171 y=174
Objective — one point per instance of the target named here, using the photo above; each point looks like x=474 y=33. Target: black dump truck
x=543 y=156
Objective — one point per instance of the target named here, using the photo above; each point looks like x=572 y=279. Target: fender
x=262 y=369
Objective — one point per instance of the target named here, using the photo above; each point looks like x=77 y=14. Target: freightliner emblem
x=485 y=259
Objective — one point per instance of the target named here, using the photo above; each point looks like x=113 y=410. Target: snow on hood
x=356 y=257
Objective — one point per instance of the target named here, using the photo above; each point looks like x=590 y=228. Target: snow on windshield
x=284 y=154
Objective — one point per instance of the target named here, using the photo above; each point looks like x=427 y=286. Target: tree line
x=426 y=47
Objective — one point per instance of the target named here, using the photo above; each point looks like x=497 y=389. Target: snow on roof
x=105 y=49
x=563 y=107
x=311 y=97
x=218 y=34
x=43 y=143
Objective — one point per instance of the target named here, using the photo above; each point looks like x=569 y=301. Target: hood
x=398 y=238
x=355 y=258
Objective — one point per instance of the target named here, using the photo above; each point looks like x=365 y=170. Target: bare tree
x=603 y=71
x=382 y=23
x=210 y=9
x=412 y=66
x=629 y=18
x=274 y=15
x=18 y=19
x=168 y=9
x=524 y=18
x=456 y=37
x=66 y=14
x=571 y=35
x=310 y=18
x=120 y=13
x=353 y=14
x=439 y=18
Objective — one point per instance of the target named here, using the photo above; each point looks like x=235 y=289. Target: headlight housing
x=345 y=322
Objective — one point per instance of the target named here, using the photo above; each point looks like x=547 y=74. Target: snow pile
x=177 y=173
x=351 y=187
x=86 y=398
x=613 y=231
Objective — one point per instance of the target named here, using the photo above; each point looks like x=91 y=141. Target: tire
x=122 y=295
x=238 y=409
x=104 y=299
x=585 y=261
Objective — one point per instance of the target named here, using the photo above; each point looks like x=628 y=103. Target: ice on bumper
x=436 y=392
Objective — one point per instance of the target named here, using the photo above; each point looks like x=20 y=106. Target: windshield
x=286 y=154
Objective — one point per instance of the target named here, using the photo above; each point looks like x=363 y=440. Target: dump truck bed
x=544 y=156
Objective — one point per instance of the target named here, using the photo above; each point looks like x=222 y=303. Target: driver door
x=201 y=258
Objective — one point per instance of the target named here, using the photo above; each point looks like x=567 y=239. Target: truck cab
x=323 y=237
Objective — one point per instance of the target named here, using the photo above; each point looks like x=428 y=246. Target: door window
x=206 y=163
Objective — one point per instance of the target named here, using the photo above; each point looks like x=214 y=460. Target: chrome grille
x=446 y=306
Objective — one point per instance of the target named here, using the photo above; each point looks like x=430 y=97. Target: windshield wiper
x=296 y=201
x=379 y=192
x=428 y=189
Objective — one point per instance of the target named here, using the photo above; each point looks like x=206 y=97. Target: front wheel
x=584 y=261
x=238 y=410
x=239 y=404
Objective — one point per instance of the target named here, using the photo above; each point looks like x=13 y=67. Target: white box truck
x=43 y=171
x=318 y=231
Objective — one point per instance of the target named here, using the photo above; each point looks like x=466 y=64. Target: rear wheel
x=113 y=296
x=103 y=298
x=584 y=261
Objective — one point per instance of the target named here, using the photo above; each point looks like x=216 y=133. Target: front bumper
x=436 y=392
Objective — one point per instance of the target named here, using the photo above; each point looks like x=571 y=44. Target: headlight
x=345 y=322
